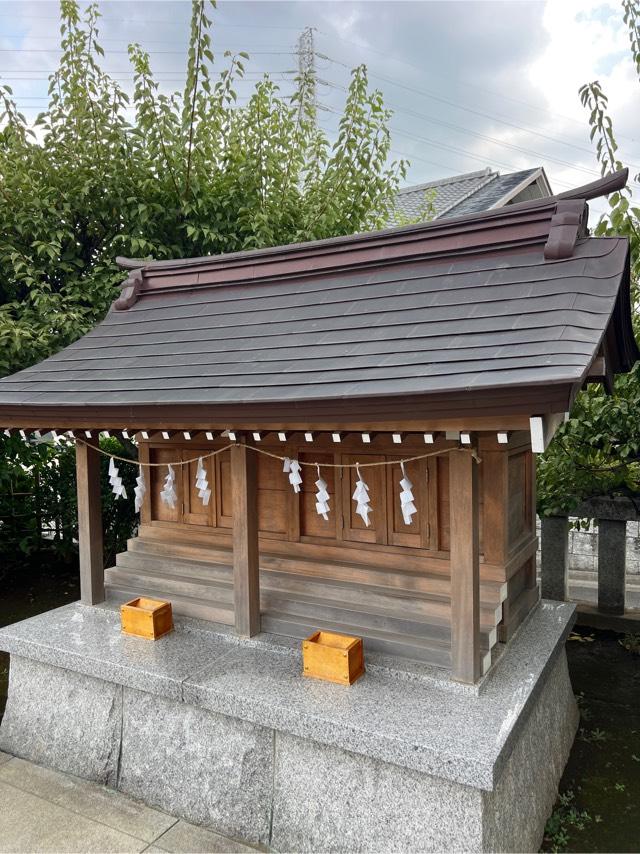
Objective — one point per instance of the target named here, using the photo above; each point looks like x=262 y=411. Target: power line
x=488 y=138
x=386 y=55
x=287 y=52
x=105 y=19
x=433 y=96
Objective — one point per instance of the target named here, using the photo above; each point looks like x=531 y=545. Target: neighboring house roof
x=472 y=192
x=518 y=300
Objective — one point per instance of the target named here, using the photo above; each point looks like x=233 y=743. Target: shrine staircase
x=397 y=612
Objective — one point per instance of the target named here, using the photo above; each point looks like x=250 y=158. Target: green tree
x=597 y=452
x=191 y=173
x=153 y=175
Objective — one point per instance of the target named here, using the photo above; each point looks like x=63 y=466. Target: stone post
x=612 y=553
x=554 y=567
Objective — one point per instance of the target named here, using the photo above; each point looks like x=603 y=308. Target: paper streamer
x=117 y=486
x=292 y=467
x=361 y=497
x=202 y=484
x=322 y=497
x=140 y=490
x=168 y=494
x=407 y=506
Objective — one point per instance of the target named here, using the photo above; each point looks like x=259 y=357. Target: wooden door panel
x=354 y=526
x=159 y=510
x=195 y=512
x=401 y=534
x=311 y=524
x=272 y=496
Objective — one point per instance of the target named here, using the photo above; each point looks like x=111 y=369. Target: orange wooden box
x=337 y=658
x=146 y=618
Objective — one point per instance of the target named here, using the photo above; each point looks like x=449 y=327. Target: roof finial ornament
x=130 y=291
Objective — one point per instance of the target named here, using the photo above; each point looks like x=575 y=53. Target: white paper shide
x=407 y=506
x=202 y=484
x=361 y=497
x=140 y=490
x=117 y=486
x=292 y=468
x=322 y=497
x=168 y=494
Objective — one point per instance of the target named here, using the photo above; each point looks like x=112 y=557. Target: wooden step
x=375 y=599
x=389 y=643
x=184 y=605
x=167 y=585
x=491 y=593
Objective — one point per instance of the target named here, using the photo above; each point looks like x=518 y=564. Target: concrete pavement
x=45 y=811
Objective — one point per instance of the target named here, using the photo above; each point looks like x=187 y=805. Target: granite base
x=245 y=745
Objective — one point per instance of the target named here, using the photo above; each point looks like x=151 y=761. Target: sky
x=472 y=83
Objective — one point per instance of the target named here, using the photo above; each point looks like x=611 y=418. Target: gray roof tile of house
x=491 y=193
x=462 y=194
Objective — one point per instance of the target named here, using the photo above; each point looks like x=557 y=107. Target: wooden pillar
x=89 y=524
x=465 y=567
x=246 y=573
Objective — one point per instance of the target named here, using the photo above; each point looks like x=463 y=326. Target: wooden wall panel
x=272 y=496
x=354 y=528
x=518 y=509
x=400 y=534
x=159 y=510
x=195 y=512
x=311 y=524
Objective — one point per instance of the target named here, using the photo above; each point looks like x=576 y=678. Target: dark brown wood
x=496 y=506
x=489 y=409
x=89 y=524
x=246 y=574
x=465 y=568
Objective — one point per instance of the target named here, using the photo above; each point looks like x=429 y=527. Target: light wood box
x=146 y=618
x=334 y=657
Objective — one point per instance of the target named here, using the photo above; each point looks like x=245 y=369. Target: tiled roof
x=491 y=193
x=448 y=192
x=459 y=195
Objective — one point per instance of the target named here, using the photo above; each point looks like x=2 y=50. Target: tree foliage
x=167 y=175
x=597 y=452
x=156 y=175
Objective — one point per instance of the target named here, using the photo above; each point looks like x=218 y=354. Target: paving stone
x=184 y=837
x=5 y=757
x=88 y=799
x=32 y=825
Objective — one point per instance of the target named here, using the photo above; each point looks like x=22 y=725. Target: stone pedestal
x=555 y=557
x=229 y=734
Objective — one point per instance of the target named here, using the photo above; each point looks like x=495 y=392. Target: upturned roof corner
x=130 y=292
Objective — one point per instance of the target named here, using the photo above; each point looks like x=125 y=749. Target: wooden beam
x=465 y=568
x=246 y=574
x=543 y=429
x=89 y=524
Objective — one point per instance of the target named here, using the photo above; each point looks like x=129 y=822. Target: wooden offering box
x=146 y=618
x=334 y=657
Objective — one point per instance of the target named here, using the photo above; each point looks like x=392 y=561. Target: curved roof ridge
x=451 y=225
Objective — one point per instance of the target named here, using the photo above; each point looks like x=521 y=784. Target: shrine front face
x=389 y=581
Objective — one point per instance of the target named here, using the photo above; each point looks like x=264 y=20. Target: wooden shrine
x=461 y=342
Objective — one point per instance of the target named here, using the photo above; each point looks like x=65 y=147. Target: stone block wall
x=583 y=551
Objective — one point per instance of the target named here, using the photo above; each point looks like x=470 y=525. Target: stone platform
x=228 y=734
